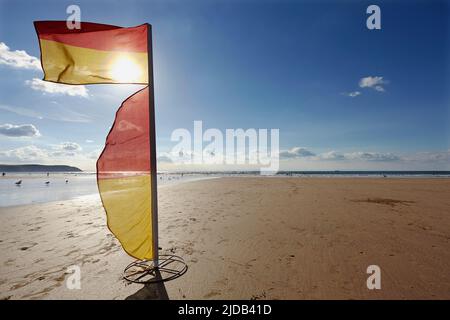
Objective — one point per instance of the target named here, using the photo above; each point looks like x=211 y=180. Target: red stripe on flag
x=127 y=148
x=95 y=36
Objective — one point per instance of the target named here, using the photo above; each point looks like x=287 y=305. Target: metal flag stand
x=170 y=267
x=163 y=267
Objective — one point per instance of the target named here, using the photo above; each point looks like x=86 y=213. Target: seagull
x=18 y=183
x=47 y=182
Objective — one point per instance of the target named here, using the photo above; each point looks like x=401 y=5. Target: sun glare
x=125 y=69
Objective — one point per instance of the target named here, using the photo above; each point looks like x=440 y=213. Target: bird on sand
x=18 y=183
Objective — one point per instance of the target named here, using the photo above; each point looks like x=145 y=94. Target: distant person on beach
x=48 y=174
x=3 y=174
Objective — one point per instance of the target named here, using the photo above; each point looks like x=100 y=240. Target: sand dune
x=246 y=238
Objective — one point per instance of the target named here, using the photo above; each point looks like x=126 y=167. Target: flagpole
x=152 y=133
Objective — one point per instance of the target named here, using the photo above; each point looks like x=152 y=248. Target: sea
x=40 y=187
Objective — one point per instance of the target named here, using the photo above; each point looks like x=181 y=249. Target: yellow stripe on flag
x=128 y=211
x=76 y=65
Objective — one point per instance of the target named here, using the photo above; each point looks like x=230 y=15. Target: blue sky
x=343 y=96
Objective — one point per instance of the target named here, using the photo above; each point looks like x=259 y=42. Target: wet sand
x=246 y=238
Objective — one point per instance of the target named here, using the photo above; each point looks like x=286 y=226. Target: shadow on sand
x=151 y=291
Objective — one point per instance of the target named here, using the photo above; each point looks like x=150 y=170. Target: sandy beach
x=246 y=238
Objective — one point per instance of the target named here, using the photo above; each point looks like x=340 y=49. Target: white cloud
x=55 y=154
x=375 y=83
x=23 y=154
x=353 y=94
x=21 y=130
x=299 y=152
x=57 y=88
x=94 y=154
x=379 y=88
x=18 y=58
x=438 y=156
x=89 y=141
x=332 y=155
x=70 y=146
x=65 y=149
x=49 y=155
x=296 y=152
x=164 y=159
x=372 y=156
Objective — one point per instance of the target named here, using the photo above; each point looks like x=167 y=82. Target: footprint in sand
x=223 y=282
x=102 y=271
x=212 y=294
x=28 y=246
x=92 y=261
x=68 y=235
x=9 y=262
x=258 y=296
x=188 y=250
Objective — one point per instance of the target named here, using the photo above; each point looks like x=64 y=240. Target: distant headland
x=37 y=168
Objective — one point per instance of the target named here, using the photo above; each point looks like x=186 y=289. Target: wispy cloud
x=19 y=59
x=375 y=83
x=57 y=88
x=22 y=111
x=59 y=113
x=19 y=130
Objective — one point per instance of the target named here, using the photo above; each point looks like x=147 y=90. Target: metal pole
x=152 y=133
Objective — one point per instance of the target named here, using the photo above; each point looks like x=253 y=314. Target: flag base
x=142 y=271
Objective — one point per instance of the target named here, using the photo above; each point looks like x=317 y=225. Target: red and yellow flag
x=123 y=177
x=99 y=53
x=95 y=53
